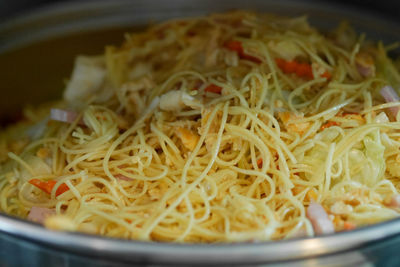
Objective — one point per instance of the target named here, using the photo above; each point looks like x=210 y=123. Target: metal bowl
x=23 y=243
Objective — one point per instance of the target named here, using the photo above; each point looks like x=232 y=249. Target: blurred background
x=385 y=7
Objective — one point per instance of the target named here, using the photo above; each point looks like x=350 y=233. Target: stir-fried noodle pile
x=230 y=127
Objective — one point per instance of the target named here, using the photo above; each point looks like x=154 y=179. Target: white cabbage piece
x=366 y=158
x=368 y=164
x=176 y=100
x=87 y=78
x=381 y=118
x=38 y=165
x=286 y=49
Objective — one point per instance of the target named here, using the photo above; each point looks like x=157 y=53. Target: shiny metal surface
x=71 y=16
x=21 y=241
x=28 y=244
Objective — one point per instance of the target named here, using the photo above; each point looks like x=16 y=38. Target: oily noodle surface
x=257 y=153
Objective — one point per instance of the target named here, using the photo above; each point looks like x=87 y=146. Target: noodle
x=222 y=128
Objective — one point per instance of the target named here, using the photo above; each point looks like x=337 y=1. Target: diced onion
x=63 y=115
x=319 y=219
x=395 y=201
x=390 y=95
x=39 y=214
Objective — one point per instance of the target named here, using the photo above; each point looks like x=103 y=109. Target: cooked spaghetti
x=231 y=127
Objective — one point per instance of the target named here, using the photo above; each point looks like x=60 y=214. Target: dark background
x=391 y=8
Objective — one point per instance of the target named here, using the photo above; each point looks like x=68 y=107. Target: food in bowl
x=225 y=128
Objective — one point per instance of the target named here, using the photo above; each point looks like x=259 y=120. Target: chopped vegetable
x=381 y=118
x=86 y=80
x=212 y=88
x=394 y=201
x=319 y=219
x=237 y=47
x=260 y=163
x=329 y=124
x=286 y=49
x=39 y=167
x=374 y=152
x=188 y=138
x=47 y=186
x=349 y=226
x=390 y=95
x=302 y=70
x=326 y=75
x=177 y=100
x=289 y=120
x=64 y=115
x=39 y=214
x=365 y=64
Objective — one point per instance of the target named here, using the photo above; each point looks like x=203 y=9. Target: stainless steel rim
x=71 y=17
x=205 y=253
